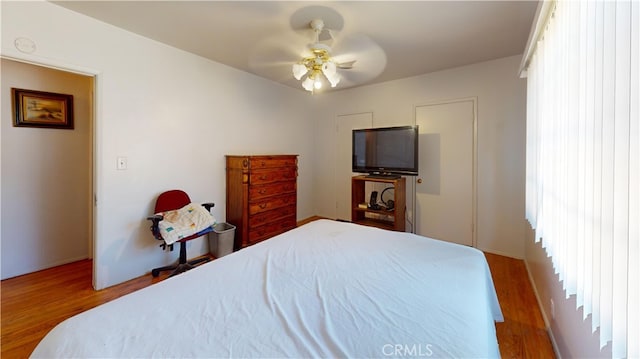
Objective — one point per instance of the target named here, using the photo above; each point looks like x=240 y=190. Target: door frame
x=474 y=159
x=95 y=141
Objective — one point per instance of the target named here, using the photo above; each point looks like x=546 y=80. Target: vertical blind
x=583 y=160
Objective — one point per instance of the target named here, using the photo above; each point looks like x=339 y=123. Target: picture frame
x=42 y=109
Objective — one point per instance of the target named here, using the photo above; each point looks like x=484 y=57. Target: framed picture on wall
x=42 y=109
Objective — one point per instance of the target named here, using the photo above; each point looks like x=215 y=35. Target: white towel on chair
x=184 y=222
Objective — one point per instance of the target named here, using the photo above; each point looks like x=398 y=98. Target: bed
x=325 y=289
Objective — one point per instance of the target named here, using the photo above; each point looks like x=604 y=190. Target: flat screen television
x=386 y=151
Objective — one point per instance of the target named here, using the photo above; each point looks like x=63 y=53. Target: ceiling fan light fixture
x=329 y=68
x=315 y=67
x=334 y=80
x=299 y=70
x=318 y=64
x=308 y=84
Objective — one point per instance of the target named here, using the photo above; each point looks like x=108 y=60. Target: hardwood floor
x=523 y=333
x=32 y=304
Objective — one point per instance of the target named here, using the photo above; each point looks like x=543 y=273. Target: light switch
x=122 y=163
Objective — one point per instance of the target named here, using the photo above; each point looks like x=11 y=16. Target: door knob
x=419 y=180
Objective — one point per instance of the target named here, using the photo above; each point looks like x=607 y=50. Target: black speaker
x=373 y=201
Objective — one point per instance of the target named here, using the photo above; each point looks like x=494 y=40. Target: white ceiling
x=389 y=39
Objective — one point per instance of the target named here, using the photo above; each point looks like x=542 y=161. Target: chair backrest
x=170 y=200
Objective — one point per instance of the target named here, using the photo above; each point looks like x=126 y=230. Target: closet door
x=445 y=192
x=344 y=126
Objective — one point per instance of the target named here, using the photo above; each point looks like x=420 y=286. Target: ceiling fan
x=319 y=52
x=319 y=63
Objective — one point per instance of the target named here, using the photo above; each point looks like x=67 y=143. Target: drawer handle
x=262 y=205
x=262 y=191
x=264 y=177
x=263 y=164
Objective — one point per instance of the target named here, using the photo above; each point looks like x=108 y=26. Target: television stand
x=382 y=218
x=383 y=176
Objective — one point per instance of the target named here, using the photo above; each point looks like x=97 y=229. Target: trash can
x=221 y=239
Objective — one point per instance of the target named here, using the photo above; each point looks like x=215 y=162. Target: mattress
x=325 y=289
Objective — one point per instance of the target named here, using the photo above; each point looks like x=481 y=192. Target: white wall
x=47 y=191
x=501 y=134
x=570 y=331
x=174 y=116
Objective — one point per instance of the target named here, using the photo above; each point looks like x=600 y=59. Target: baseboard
x=504 y=254
x=65 y=261
x=54 y=264
x=547 y=323
x=309 y=219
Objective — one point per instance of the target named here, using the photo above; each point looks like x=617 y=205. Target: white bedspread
x=326 y=289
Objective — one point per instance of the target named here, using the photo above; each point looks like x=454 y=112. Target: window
x=583 y=159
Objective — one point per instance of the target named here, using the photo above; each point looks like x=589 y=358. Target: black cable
x=388 y=205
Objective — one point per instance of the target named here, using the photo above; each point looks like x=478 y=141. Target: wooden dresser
x=261 y=196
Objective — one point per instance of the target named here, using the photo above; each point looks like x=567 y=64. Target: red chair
x=168 y=201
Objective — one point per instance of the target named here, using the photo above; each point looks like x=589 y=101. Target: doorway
x=445 y=187
x=47 y=185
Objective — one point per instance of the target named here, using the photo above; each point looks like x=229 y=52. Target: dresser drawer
x=271 y=203
x=269 y=230
x=257 y=163
x=271 y=216
x=261 y=195
x=270 y=176
x=272 y=189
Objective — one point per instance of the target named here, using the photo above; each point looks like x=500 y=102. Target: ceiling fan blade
x=326 y=37
x=346 y=65
x=361 y=56
x=274 y=57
